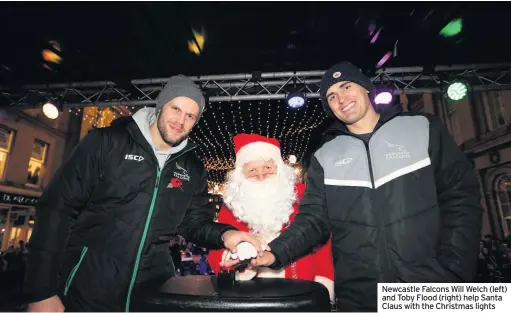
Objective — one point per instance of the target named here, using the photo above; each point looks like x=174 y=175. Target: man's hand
x=267 y=259
x=234 y=237
x=231 y=240
x=52 y=304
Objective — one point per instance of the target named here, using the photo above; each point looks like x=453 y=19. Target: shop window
x=504 y=202
x=6 y=138
x=37 y=162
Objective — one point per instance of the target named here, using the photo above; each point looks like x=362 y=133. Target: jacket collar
x=129 y=124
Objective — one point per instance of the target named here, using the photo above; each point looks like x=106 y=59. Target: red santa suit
x=317 y=266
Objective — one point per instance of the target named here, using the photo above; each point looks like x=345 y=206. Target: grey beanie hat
x=181 y=86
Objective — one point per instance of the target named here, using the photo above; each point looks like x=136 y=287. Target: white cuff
x=247 y=274
x=328 y=283
x=226 y=255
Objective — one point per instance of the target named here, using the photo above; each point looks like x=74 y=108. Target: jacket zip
x=345 y=132
x=146 y=227
x=382 y=228
x=74 y=270
x=142 y=240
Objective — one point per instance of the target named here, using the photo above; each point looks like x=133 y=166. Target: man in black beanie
x=398 y=196
x=104 y=223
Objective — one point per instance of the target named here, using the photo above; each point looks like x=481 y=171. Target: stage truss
x=256 y=86
x=251 y=103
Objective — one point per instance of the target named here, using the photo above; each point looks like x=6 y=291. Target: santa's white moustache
x=264 y=205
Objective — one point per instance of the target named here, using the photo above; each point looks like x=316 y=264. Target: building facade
x=480 y=124
x=32 y=147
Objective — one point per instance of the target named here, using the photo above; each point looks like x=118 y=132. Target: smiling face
x=176 y=120
x=259 y=170
x=349 y=101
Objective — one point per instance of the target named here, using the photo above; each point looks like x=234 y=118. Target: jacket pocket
x=344 y=203
x=75 y=270
x=155 y=264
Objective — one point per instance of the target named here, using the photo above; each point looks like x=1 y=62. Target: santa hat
x=252 y=147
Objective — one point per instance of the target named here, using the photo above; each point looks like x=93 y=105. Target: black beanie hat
x=343 y=72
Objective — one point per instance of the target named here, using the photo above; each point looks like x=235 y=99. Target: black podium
x=201 y=293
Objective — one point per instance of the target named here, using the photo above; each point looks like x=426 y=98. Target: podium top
x=201 y=293
x=206 y=286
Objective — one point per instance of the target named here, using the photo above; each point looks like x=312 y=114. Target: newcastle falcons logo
x=184 y=175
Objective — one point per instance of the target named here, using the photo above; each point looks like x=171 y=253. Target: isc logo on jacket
x=133 y=157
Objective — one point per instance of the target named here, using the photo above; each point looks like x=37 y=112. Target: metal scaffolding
x=256 y=86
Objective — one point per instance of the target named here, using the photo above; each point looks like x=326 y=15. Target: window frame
x=43 y=163
x=504 y=192
x=9 y=149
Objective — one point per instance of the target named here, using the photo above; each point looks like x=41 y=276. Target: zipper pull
x=158 y=178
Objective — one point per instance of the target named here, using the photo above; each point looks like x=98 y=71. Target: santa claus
x=261 y=196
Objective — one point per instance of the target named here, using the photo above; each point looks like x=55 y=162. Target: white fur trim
x=328 y=283
x=247 y=274
x=265 y=272
x=257 y=150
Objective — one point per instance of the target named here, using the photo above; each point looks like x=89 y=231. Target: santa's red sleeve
x=300 y=189
x=225 y=216
x=324 y=263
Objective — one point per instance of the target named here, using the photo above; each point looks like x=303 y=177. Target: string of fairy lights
x=294 y=129
x=96 y=117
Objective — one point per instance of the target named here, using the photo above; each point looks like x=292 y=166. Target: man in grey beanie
x=104 y=222
x=179 y=107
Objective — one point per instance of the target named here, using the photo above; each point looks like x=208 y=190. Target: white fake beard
x=264 y=205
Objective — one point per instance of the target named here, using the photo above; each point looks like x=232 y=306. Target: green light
x=457 y=91
x=453 y=28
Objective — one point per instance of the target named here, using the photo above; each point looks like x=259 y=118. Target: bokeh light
x=457 y=91
x=197 y=46
x=453 y=28
x=50 y=56
x=383 y=97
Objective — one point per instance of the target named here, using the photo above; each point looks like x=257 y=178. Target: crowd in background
x=494 y=266
x=188 y=258
x=12 y=271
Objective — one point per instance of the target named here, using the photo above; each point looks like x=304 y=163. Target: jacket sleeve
x=311 y=225
x=215 y=256
x=198 y=225
x=324 y=264
x=460 y=206
x=56 y=212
